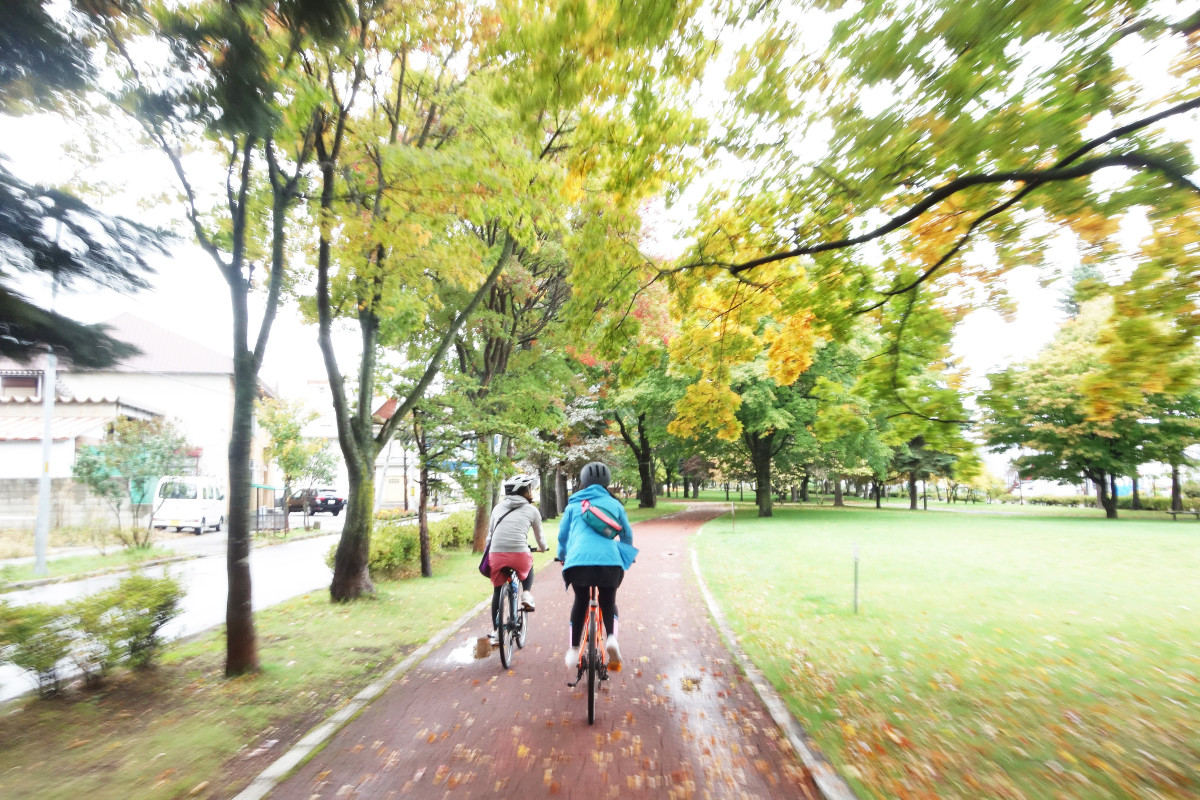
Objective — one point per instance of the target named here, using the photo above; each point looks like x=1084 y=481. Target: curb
x=274 y=774
x=831 y=785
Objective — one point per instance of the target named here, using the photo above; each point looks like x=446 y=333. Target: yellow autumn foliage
x=790 y=353
x=707 y=405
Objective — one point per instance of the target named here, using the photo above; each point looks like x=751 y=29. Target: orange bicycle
x=592 y=658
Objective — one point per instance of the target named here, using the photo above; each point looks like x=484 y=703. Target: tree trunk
x=423 y=521
x=727 y=492
x=241 y=643
x=1107 y=498
x=1135 y=501
x=878 y=495
x=912 y=491
x=760 y=456
x=287 y=492
x=482 y=512
x=546 y=504
x=404 y=464
x=421 y=442
x=838 y=500
x=804 y=489
x=1176 y=489
x=351 y=563
x=560 y=489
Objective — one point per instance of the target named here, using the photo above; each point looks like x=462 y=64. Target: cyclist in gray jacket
x=508 y=539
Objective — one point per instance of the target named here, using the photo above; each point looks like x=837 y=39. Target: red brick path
x=677 y=722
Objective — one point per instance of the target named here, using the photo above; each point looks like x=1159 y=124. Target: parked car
x=314 y=500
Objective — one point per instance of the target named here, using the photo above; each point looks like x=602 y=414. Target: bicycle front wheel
x=503 y=622
x=593 y=664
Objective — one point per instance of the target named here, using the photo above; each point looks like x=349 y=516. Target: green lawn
x=1031 y=657
x=663 y=508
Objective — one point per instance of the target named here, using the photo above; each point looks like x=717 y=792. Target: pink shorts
x=521 y=563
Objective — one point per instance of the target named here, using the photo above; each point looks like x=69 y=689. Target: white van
x=188 y=501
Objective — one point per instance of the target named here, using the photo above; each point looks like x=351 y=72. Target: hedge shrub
x=37 y=639
x=95 y=632
x=396 y=544
x=1151 y=503
x=388 y=514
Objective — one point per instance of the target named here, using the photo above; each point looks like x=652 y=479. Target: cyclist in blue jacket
x=593 y=559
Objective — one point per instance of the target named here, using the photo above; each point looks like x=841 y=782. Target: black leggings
x=526 y=585
x=607 y=597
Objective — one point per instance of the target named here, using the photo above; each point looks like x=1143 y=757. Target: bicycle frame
x=594 y=621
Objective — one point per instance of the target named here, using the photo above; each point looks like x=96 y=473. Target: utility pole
x=41 y=536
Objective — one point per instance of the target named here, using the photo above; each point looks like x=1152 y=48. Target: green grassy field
x=636 y=514
x=1022 y=657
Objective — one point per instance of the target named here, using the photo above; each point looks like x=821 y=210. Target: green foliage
x=389 y=514
x=133 y=456
x=396 y=546
x=99 y=644
x=146 y=605
x=96 y=631
x=35 y=638
x=1147 y=503
x=49 y=233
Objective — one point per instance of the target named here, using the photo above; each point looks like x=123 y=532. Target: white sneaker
x=614 y=653
x=572 y=657
x=526 y=601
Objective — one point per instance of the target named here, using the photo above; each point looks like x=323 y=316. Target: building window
x=19 y=386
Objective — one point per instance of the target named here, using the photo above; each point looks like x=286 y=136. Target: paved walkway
x=677 y=722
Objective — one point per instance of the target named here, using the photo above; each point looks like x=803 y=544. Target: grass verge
x=1030 y=657
x=78 y=565
x=165 y=732
x=636 y=514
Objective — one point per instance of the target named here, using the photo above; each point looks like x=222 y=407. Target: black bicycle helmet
x=595 y=472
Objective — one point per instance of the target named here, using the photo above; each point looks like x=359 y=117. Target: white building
x=188 y=384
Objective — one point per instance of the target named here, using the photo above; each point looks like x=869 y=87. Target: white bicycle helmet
x=518 y=482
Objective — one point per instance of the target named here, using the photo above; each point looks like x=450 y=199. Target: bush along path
x=677 y=721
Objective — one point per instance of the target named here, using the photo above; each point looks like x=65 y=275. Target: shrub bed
x=396 y=544
x=94 y=632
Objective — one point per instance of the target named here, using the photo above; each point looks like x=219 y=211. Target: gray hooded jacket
x=515 y=516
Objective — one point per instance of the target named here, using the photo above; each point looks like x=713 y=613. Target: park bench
x=1174 y=514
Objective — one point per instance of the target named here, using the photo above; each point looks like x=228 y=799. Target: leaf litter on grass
x=1024 y=677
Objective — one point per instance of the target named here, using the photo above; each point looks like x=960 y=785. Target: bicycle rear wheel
x=503 y=622
x=522 y=620
x=593 y=662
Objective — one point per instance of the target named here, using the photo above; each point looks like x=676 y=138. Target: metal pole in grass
x=732 y=518
x=856 y=578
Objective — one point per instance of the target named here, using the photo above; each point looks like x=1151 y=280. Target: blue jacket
x=580 y=546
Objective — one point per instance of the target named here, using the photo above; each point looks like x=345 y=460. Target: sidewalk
x=679 y=721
